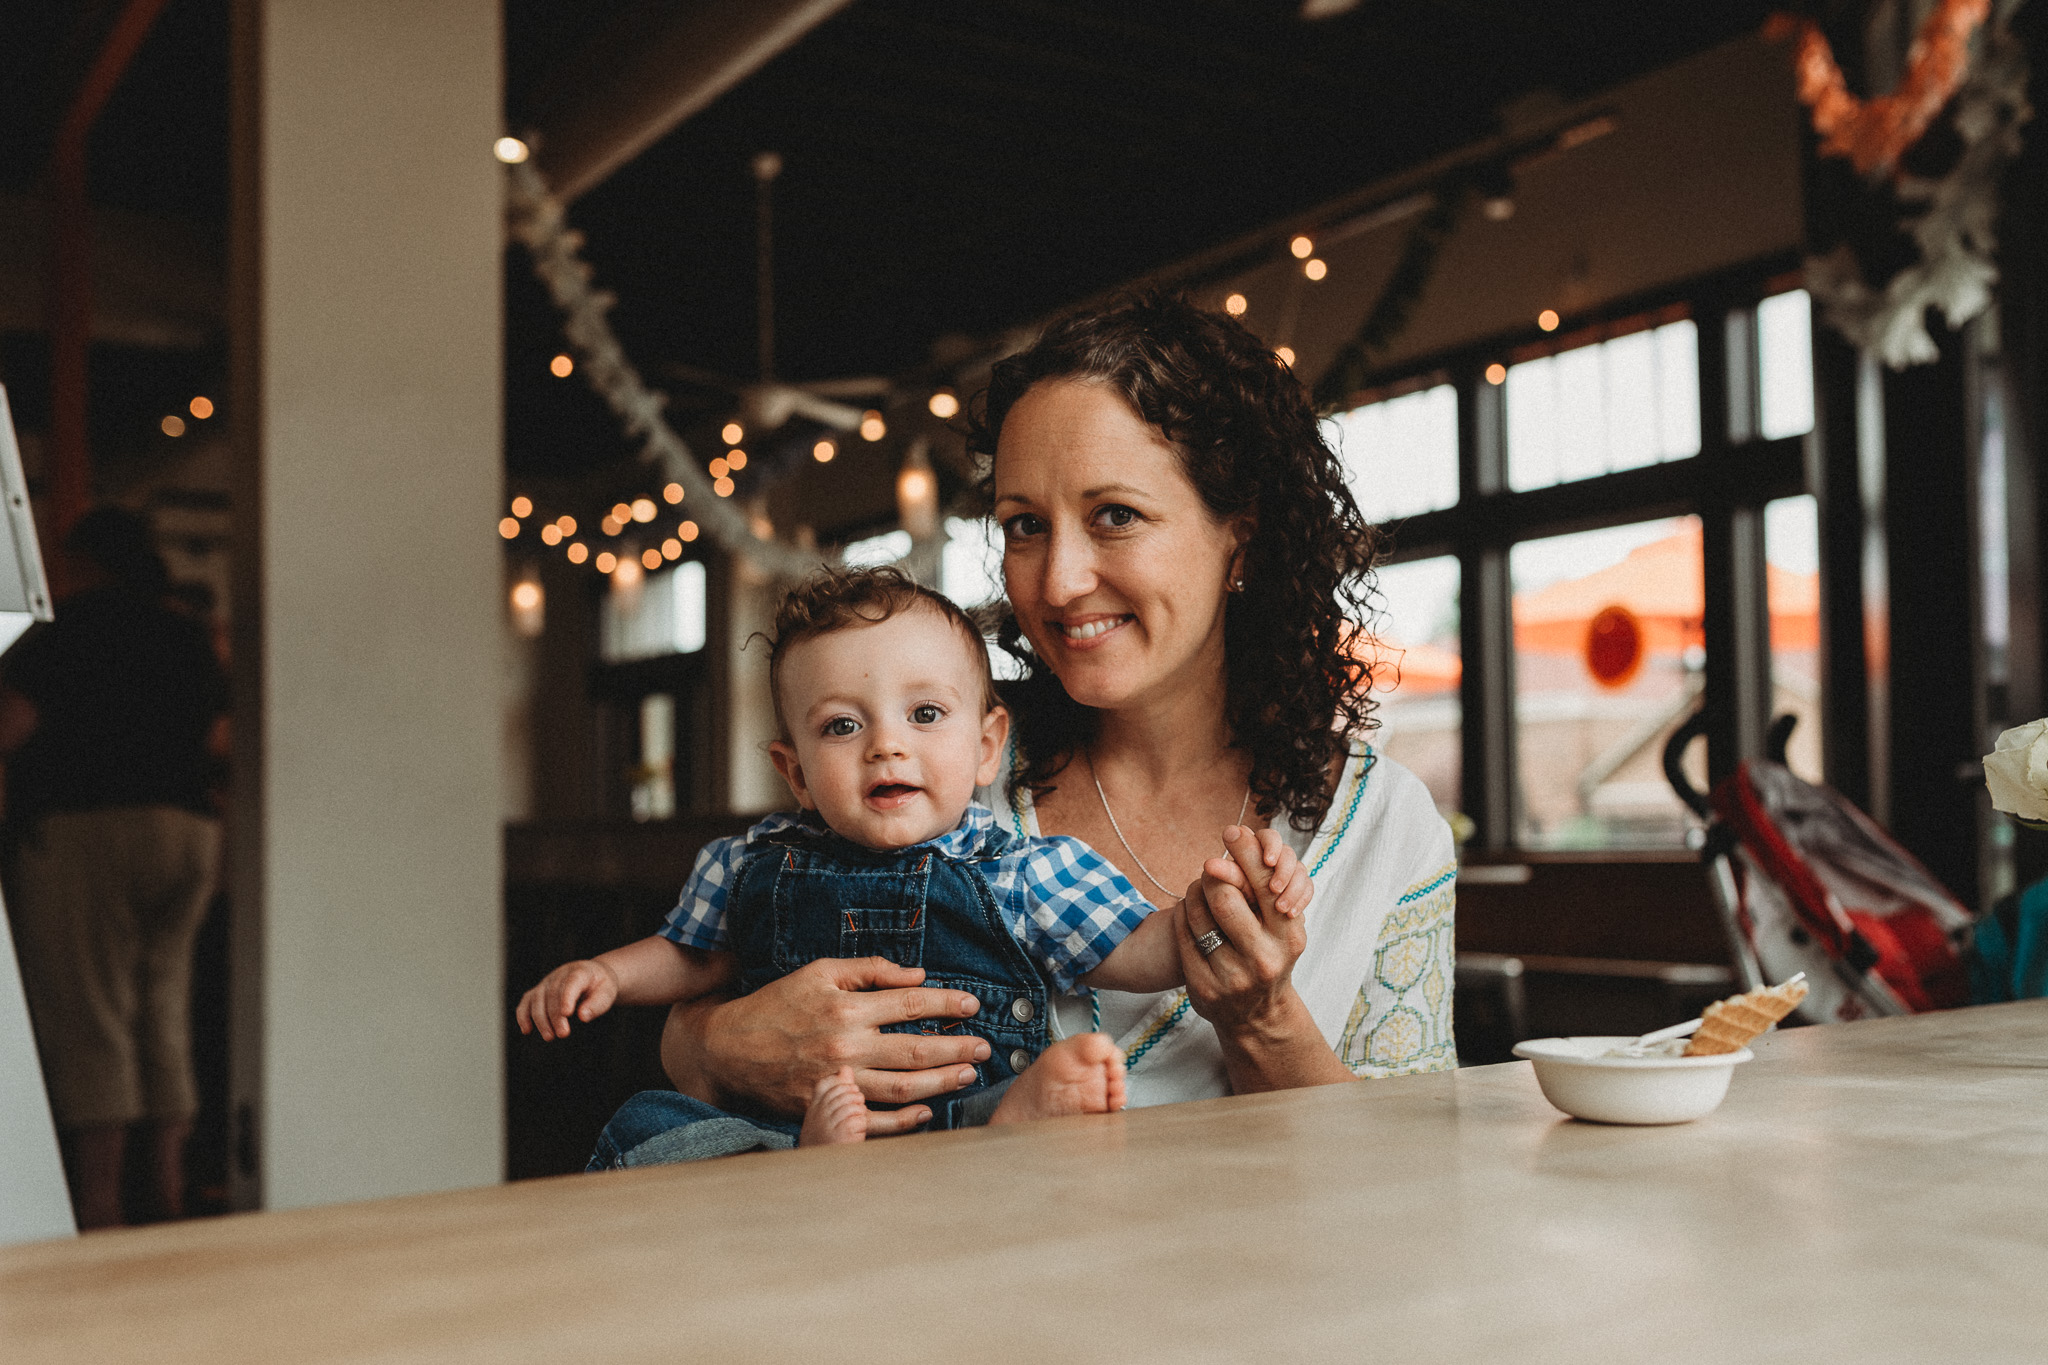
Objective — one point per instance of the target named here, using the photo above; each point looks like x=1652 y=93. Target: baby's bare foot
x=838 y=1113
x=1082 y=1075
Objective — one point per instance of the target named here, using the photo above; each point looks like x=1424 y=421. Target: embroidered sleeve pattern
x=1076 y=907
x=698 y=921
x=1401 y=1021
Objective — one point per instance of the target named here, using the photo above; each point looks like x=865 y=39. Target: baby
x=889 y=720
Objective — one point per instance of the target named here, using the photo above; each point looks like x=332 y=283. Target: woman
x=1185 y=566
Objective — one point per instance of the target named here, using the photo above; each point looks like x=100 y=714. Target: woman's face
x=1116 y=568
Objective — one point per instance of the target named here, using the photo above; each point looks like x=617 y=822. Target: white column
x=367 y=872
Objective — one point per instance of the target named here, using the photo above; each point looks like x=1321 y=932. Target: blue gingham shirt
x=1064 y=903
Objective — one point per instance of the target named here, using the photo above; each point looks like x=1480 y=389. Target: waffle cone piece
x=1728 y=1025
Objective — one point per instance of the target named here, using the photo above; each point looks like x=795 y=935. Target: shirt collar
x=958 y=842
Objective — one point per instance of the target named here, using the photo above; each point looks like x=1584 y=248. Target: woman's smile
x=1089 y=634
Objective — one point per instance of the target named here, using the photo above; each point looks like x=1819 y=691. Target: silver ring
x=1210 y=941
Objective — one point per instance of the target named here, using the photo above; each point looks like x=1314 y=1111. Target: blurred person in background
x=113 y=720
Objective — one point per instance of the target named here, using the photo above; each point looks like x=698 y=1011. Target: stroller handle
x=1775 y=742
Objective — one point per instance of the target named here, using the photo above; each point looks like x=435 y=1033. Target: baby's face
x=887 y=735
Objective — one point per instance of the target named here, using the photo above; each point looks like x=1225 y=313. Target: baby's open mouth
x=891 y=793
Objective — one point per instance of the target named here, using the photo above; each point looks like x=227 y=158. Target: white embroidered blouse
x=1377 y=973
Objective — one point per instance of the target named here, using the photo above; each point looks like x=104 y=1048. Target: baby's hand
x=1265 y=870
x=586 y=989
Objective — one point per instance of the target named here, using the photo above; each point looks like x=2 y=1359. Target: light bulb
x=622 y=512
x=872 y=427
x=1315 y=267
x=719 y=468
x=610 y=526
x=551 y=534
x=510 y=150
x=671 y=548
x=736 y=459
x=688 y=531
x=943 y=405
x=173 y=425
x=566 y=524
x=1286 y=355
x=643 y=509
x=509 y=528
x=1235 y=305
x=522 y=506
x=1496 y=373
x=672 y=494
x=202 y=407
x=823 y=452
x=607 y=561
x=529 y=614
x=561 y=367
x=1302 y=248
x=1547 y=319
x=526 y=596
x=651 y=558
x=733 y=433
x=722 y=487
x=578 y=552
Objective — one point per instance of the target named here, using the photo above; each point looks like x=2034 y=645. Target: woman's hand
x=774 y=1044
x=1245 y=986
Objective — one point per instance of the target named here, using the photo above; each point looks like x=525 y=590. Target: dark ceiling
x=952 y=166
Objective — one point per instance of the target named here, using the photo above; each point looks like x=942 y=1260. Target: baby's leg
x=838 y=1113
x=1081 y=1075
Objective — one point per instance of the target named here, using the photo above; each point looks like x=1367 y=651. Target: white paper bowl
x=1577 y=1079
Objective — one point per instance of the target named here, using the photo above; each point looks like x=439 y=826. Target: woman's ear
x=995 y=732
x=783 y=754
x=1242 y=529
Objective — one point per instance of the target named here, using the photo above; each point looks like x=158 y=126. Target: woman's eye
x=1022 y=525
x=926 y=714
x=839 y=727
x=1116 y=515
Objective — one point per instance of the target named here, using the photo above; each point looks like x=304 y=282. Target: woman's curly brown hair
x=1250 y=443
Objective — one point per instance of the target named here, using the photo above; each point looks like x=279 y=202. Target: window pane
x=971 y=565
x=1618 y=404
x=883 y=549
x=1417 y=671
x=1784 y=344
x=1401 y=455
x=664 y=615
x=654 y=779
x=1792 y=557
x=1609 y=658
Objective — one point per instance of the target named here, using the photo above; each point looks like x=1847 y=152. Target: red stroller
x=1805 y=882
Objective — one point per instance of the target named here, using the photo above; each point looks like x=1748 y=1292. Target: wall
x=368 y=327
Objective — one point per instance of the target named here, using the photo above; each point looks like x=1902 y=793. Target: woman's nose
x=1069 y=569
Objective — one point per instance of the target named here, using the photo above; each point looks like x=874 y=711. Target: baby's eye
x=1022 y=525
x=839 y=727
x=927 y=714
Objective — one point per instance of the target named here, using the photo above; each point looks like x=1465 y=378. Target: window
x=1614 y=405
x=663 y=615
x=1609 y=660
x=1416 y=673
x=1784 y=344
x=971 y=565
x=1792 y=578
x=654 y=779
x=1401 y=454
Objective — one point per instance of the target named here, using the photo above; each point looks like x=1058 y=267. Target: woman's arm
x=1245 y=988
x=773 y=1045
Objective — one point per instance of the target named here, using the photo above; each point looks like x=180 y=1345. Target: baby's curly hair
x=1250 y=442
x=834 y=599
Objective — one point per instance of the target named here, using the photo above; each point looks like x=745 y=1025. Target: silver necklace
x=1243 y=806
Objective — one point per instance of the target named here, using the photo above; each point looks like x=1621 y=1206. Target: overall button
x=1021 y=1010
x=1019 y=1059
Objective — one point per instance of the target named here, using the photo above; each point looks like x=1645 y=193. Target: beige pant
x=106 y=905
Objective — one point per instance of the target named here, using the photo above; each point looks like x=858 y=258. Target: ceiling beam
x=643 y=75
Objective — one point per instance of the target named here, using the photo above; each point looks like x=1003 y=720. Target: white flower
x=2017 y=771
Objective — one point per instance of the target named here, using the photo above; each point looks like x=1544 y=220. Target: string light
x=688 y=531
x=173 y=425
x=719 y=468
x=1315 y=267
x=566 y=525
x=722 y=487
x=525 y=595
x=652 y=558
x=578 y=552
x=1496 y=373
x=607 y=561
x=643 y=509
x=202 y=407
x=734 y=433
x=672 y=494
x=1547 y=319
x=622 y=513
x=625 y=572
x=509 y=528
x=522 y=506
x=917 y=494
x=551 y=534
x=529 y=616
x=872 y=427
x=1302 y=248
x=1235 y=305
x=561 y=367
x=823 y=451
x=671 y=548
x=509 y=150
x=736 y=459
x=1286 y=355
x=611 y=526
x=943 y=405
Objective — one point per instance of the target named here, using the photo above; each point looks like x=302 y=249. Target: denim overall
x=801 y=895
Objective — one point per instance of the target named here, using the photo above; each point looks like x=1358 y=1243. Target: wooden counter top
x=1869 y=1192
